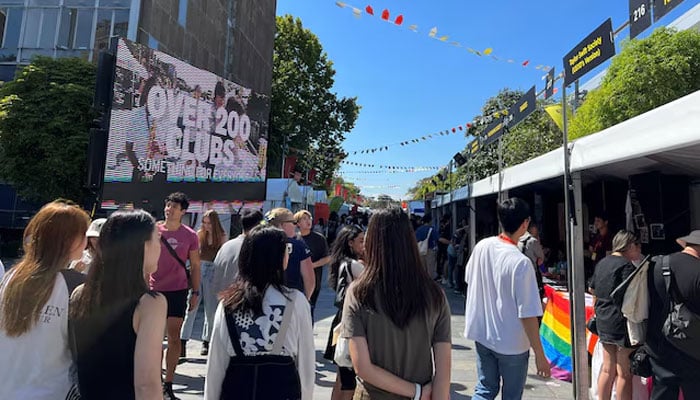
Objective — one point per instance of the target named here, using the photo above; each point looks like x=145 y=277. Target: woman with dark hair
x=348 y=248
x=254 y=311
x=34 y=303
x=211 y=237
x=396 y=318
x=609 y=273
x=115 y=316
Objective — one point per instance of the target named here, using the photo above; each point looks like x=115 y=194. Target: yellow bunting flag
x=555 y=112
x=488 y=51
x=444 y=38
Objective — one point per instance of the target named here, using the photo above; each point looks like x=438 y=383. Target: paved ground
x=189 y=380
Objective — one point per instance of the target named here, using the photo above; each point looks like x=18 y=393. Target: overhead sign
x=640 y=17
x=549 y=86
x=589 y=53
x=662 y=7
x=474 y=147
x=493 y=131
x=515 y=114
x=521 y=109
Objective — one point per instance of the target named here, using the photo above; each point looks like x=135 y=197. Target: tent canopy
x=666 y=139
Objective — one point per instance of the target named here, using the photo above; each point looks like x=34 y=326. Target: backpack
x=424 y=245
x=682 y=326
x=265 y=376
x=344 y=279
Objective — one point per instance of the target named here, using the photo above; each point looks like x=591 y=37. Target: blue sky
x=410 y=85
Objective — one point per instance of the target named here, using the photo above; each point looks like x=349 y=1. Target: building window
x=11 y=23
x=121 y=23
x=182 y=13
x=83 y=29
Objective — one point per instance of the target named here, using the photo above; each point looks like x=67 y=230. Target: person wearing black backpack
x=262 y=344
x=671 y=367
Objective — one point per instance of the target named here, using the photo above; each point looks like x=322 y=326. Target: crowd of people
x=85 y=312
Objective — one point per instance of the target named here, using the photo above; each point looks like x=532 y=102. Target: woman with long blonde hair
x=211 y=237
x=34 y=305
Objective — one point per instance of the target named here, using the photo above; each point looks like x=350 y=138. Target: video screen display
x=175 y=127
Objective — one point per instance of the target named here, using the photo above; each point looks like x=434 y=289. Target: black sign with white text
x=640 y=17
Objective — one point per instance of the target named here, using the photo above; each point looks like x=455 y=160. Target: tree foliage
x=534 y=136
x=313 y=119
x=646 y=74
x=45 y=114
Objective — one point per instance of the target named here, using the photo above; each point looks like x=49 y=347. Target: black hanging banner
x=459 y=159
x=525 y=106
x=493 y=131
x=662 y=7
x=589 y=53
x=474 y=147
x=640 y=17
x=549 y=86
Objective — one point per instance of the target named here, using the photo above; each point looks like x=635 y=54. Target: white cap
x=95 y=227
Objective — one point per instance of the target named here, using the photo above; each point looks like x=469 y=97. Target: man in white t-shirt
x=502 y=308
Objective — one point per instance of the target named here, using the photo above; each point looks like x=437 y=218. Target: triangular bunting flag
x=488 y=51
x=433 y=32
x=385 y=15
x=399 y=20
x=369 y=10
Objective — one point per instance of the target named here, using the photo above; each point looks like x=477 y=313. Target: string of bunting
x=390 y=167
x=398 y=21
x=379 y=187
x=483 y=120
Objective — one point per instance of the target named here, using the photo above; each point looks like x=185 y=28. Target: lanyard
x=507 y=239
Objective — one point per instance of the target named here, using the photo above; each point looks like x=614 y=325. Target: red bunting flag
x=460 y=127
x=454 y=130
x=369 y=10
x=385 y=15
x=526 y=62
x=399 y=20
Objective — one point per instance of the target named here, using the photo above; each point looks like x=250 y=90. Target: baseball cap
x=95 y=227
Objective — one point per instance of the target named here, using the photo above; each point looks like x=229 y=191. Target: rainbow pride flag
x=555 y=332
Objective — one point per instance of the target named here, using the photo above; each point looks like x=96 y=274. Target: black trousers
x=667 y=381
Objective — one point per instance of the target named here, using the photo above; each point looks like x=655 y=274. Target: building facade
x=231 y=38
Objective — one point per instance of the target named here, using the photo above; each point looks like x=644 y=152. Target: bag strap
x=172 y=252
x=233 y=333
x=282 y=334
x=666 y=273
x=279 y=339
x=524 y=242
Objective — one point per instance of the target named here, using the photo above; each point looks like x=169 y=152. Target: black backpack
x=344 y=279
x=682 y=326
x=265 y=376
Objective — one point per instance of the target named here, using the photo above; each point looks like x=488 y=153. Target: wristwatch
x=195 y=292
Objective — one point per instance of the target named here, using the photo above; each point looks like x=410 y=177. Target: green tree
x=532 y=137
x=646 y=74
x=45 y=114
x=305 y=111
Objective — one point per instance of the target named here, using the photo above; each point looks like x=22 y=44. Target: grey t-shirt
x=407 y=352
x=226 y=263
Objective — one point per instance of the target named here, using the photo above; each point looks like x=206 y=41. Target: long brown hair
x=116 y=276
x=48 y=240
x=394 y=273
x=217 y=231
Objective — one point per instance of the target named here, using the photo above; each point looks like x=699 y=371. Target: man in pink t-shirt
x=171 y=278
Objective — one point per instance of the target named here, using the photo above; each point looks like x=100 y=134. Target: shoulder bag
x=424 y=245
x=682 y=326
x=182 y=263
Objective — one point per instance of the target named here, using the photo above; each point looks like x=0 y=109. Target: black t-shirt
x=317 y=244
x=610 y=272
x=445 y=233
x=685 y=270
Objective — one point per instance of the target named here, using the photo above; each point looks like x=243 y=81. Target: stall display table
x=555 y=331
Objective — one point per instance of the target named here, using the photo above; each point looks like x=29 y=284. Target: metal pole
x=576 y=281
x=500 y=170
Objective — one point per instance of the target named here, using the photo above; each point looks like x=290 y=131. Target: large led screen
x=174 y=127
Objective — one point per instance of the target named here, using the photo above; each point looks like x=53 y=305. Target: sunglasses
x=290 y=248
